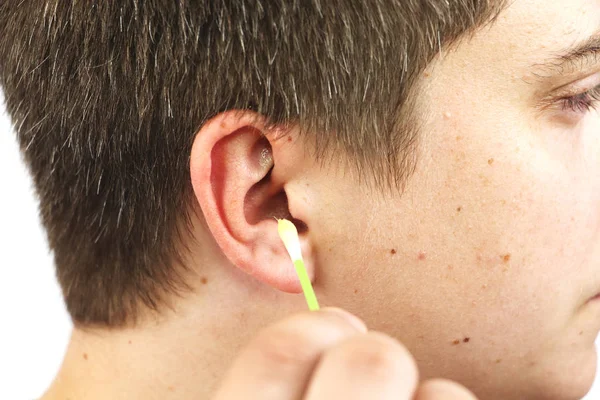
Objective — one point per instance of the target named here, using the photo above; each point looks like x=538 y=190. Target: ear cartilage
x=289 y=235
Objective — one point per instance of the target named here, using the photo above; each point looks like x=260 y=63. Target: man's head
x=441 y=168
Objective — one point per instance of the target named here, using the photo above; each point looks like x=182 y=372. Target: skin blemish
x=459 y=209
x=422 y=256
x=498 y=361
x=456 y=342
x=171 y=389
x=289 y=139
x=203 y=280
x=129 y=342
x=355 y=291
x=490 y=161
x=85 y=356
x=393 y=251
x=505 y=257
x=458 y=138
x=450 y=267
x=426 y=74
x=580 y=333
x=466 y=340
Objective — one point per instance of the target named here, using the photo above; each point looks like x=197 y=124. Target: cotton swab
x=289 y=235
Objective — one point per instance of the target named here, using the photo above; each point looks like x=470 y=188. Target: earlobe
x=231 y=167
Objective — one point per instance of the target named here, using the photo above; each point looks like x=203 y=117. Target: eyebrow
x=571 y=59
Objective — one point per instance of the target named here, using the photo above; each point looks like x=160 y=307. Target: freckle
x=479 y=257
x=459 y=209
x=580 y=333
x=203 y=280
x=498 y=361
x=355 y=291
x=393 y=251
x=447 y=115
x=466 y=340
x=85 y=356
x=421 y=337
x=490 y=161
x=129 y=342
x=171 y=388
x=484 y=286
x=456 y=342
x=458 y=138
x=329 y=249
x=506 y=258
x=422 y=256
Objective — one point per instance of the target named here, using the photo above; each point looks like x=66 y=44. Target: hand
x=329 y=355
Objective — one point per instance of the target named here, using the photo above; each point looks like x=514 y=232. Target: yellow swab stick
x=289 y=236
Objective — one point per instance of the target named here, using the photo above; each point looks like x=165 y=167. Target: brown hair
x=107 y=96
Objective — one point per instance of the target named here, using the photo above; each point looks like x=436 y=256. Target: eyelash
x=582 y=102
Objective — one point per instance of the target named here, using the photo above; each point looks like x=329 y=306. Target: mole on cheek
x=422 y=256
x=204 y=280
x=85 y=356
x=393 y=251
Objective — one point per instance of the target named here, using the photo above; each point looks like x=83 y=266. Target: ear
x=242 y=190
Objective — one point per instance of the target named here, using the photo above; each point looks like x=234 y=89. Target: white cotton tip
x=289 y=236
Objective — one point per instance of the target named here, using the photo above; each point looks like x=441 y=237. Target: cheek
x=518 y=221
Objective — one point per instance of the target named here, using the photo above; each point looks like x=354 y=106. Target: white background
x=34 y=327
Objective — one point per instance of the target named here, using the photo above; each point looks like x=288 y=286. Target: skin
x=483 y=268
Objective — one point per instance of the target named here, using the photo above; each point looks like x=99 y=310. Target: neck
x=181 y=355
x=149 y=363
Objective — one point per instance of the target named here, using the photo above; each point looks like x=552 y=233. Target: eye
x=582 y=102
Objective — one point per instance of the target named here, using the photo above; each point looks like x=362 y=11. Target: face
x=485 y=266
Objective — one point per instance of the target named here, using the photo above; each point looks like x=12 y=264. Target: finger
x=279 y=362
x=441 y=389
x=371 y=366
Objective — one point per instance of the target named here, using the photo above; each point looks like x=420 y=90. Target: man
x=440 y=159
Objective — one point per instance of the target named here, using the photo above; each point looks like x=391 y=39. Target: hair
x=106 y=98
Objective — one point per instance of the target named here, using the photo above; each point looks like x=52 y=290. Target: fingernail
x=350 y=318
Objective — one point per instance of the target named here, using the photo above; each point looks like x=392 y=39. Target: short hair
x=107 y=96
